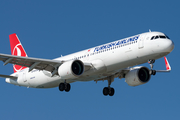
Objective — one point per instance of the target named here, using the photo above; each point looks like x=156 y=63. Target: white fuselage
x=106 y=59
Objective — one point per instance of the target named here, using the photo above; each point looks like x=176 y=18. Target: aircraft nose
x=166 y=45
x=170 y=45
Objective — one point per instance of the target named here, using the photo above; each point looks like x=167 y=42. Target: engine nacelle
x=71 y=69
x=137 y=76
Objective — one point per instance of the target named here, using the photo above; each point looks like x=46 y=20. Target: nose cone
x=169 y=46
x=166 y=46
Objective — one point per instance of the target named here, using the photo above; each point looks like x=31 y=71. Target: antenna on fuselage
x=149 y=30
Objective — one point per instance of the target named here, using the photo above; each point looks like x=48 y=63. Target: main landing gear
x=109 y=90
x=64 y=86
x=152 y=72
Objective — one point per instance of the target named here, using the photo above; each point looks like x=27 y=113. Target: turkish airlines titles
x=120 y=42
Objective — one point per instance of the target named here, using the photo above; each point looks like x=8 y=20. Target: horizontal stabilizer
x=8 y=76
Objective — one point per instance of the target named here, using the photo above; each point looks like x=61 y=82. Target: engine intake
x=71 y=69
x=137 y=76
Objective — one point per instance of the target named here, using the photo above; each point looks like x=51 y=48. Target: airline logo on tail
x=17 y=50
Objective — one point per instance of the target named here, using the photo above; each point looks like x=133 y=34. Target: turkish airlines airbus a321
x=104 y=62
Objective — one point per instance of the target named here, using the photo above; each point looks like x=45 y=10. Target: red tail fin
x=16 y=49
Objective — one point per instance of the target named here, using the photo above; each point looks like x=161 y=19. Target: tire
x=68 y=87
x=61 y=86
x=111 y=92
x=153 y=72
x=106 y=91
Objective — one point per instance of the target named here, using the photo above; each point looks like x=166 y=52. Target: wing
x=32 y=63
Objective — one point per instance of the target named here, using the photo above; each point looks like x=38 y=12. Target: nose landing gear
x=151 y=62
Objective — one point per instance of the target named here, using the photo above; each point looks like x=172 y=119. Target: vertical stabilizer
x=16 y=49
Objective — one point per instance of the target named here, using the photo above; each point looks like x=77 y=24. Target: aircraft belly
x=37 y=79
x=87 y=78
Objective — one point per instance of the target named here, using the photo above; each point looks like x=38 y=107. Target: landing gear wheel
x=106 y=91
x=67 y=87
x=61 y=86
x=111 y=91
x=64 y=86
x=153 y=72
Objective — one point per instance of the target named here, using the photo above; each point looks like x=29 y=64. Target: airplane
x=104 y=62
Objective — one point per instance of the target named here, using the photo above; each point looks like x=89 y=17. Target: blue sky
x=49 y=29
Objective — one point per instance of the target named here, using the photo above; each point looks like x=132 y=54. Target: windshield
x=159 y=36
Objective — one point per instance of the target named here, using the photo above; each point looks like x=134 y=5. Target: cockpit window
x=156 y=37
x=152 y=37
x=167 y=37
x=160 y=36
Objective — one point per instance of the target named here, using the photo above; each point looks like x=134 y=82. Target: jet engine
x=137 y=76
x=71 y=69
